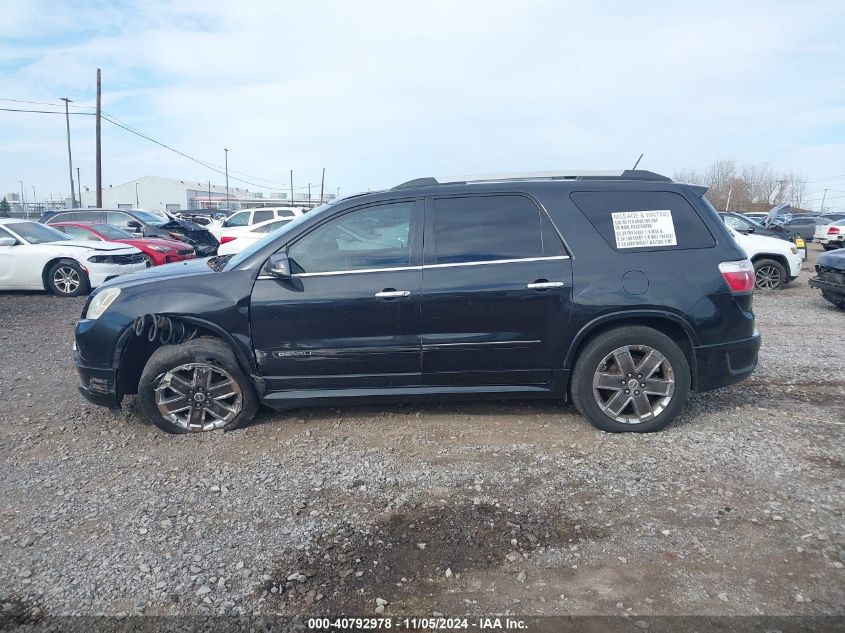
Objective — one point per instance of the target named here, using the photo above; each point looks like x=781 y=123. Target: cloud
x=379 y=92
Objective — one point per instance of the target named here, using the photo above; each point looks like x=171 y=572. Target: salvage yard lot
x=478 y=508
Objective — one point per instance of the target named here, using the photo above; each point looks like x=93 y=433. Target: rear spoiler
x=698 y=190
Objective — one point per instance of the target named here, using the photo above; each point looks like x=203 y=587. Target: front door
x=348 y=317
x=497 y=284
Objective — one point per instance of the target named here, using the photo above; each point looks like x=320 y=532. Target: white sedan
x=831 y=236
x=235 y=239
x=37 y=257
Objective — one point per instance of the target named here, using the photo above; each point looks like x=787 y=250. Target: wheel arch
x=55 y=260
x=780 y=259
x=672 y=325
x=132 y=353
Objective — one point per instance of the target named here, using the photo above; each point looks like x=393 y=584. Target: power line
x=44 y=111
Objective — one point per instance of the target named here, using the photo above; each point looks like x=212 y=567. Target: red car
x=156 y=250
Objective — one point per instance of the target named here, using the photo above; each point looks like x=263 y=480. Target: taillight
x=833 y=231
x=227 y=238
x=739 y=275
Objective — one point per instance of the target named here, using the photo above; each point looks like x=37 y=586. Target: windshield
x=149 y=218
x=112 y=233
x=754 y=222
x=36 y=233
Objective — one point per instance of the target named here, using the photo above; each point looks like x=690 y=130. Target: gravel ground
x=497 y=507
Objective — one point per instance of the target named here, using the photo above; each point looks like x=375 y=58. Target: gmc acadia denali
x=621 y=291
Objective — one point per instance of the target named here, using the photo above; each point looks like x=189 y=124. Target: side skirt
x=555 y=389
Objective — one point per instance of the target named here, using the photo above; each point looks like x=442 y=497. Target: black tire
x=148 y=261
x=831 y=247
x=591 y=361
x=61 y=278
x=769 y=274
x=205 y=351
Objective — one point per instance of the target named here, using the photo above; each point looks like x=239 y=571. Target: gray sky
x=381 y=92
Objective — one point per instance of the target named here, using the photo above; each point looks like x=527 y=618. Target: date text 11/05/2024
x=417 y=624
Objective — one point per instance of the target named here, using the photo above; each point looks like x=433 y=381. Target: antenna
x=638 y=161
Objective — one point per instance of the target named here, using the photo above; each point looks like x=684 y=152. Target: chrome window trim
x=424 y=267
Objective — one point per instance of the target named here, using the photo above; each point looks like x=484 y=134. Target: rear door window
x=262 y=216
x=644 y=220
x=486 y=228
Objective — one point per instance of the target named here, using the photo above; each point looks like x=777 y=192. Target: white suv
x=248 y=217
x=776 y=262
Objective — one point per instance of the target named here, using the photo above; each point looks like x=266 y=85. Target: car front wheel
x=631 y=379
x=196 y=386
x=67 y=279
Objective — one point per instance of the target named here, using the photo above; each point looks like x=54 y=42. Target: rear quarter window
x=688 y=227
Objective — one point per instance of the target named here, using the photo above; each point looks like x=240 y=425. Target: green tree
x=4 y=207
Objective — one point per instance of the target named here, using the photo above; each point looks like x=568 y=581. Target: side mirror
x=133 y=224
x=8 y=241
x=278 y=265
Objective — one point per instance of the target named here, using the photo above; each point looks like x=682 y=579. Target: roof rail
x=619 y=174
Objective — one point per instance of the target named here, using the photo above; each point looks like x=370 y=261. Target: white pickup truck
x=831 y=235
x=776 y=262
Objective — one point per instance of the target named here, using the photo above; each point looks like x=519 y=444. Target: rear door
x=497 y=286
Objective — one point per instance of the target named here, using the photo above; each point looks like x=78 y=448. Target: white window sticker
x=636 y=229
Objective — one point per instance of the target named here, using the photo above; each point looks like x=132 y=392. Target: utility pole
x=69 y=158
x=226 y=151
x=209 y=194
x=322 y=185
x=99 y=159
x=821 y=208
x=137 y=205
x=291 y=187
x=728 y=204
x=79 y=187
x=34 y=198
x=309 y=192
x=23 y=199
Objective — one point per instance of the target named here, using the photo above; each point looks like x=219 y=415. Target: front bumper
x=725 y=363
x=829 y=282
x=98 y=385
x=98 y=274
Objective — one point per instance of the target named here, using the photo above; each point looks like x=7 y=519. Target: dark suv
x=621 y=292
x=141 y=222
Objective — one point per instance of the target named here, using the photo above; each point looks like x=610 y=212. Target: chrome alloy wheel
x=767 y=278
x=66 y=279
x=198 y=397
x=633 y=384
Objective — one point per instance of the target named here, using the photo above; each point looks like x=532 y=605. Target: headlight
x=101 y=301
x=160 y=249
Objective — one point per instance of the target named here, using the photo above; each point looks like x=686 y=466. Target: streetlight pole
x=227 y=176
x=821 y=208
x=34 y=198
x=69 y=157
x=79 y=187
x=23 y=199
x=137 y=206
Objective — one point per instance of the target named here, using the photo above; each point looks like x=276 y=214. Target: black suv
x=621 y=292
x=141 y=222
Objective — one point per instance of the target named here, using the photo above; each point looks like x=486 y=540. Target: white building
x=170 y=194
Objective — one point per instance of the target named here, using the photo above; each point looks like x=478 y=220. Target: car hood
x=154 y=241
x=832 y=259
x=761 y=242
x=95 y=246
x=155 y=274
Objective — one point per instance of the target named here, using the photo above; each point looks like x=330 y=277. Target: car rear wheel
x=67 y=279
x=196 y=386
x=631 y=379
x=769 y=274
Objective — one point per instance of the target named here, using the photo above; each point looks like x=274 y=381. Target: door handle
x=392 y=294
x=543 y=285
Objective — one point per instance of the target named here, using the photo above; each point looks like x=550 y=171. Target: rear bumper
x=97 y=384
x=726 y=363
